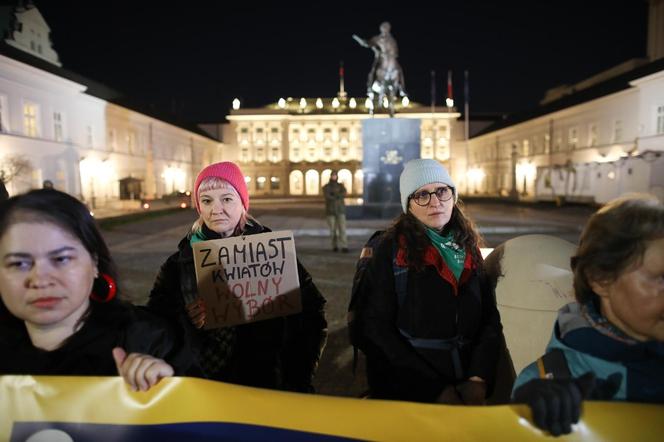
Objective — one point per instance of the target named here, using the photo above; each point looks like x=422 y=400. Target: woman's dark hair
x=413 y=231
x=65 y=211
x=615 y=238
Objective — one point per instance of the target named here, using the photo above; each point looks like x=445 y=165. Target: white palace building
x=289 y=148
x=57 y=126
x=587 y=142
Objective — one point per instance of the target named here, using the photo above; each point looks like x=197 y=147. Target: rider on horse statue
x=386 y=77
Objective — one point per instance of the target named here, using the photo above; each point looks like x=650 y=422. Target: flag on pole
x=433 y=91
x=466 y=88
x=466 y=97
x=449 y=85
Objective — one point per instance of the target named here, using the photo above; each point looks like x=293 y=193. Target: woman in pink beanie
x=280 y=353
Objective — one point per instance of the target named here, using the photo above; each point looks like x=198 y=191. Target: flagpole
x=433 y=113
x=433 y=92
x=466 y=110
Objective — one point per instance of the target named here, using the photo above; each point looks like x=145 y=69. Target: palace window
x=344 y=135
x=573 y=138
x=260 y=183
x=30 y=119
x=57 y=126
x=592 y=134
x=260 y=154
x=274 y=154
x=112 y=140
x=617 y=131
x=131 y=142
x=4 y=116
x=660 y=119
x=89 y=135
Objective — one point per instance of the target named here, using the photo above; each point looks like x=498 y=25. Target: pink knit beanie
x=226 y=171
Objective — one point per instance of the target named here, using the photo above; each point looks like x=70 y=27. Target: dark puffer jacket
x=279 y=353
x=434 y=308
x=88 y=352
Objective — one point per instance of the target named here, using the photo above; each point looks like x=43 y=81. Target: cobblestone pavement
x=141 y=247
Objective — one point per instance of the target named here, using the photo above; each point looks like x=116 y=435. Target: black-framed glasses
x=422 y=198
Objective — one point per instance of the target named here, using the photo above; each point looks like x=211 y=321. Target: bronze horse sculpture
x=385 y=82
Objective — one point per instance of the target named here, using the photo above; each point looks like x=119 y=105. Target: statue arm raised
x=361 y=41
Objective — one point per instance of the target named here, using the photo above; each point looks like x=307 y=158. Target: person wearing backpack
x=425 y=311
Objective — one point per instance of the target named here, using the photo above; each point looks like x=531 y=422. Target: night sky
x=193 y=60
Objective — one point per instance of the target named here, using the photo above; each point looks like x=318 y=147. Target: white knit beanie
x=419 y=172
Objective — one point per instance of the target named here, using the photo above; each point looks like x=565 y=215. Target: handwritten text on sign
x=247 y=278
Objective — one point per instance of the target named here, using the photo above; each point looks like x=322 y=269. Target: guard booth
x=131 y=188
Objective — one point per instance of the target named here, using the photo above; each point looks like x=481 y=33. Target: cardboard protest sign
x=247 y=278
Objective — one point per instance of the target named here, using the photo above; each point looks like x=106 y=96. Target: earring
x=107 y=285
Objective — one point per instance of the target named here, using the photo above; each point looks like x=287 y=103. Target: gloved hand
x=472 y=392
x=555 y=403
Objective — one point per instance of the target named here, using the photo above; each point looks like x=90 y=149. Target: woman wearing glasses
x=430 y=320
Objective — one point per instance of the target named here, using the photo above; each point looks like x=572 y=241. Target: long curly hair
x=413 y=232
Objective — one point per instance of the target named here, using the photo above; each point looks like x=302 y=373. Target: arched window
x=346 y=178
x=296 y=182
x=359 y=182
x=312 y=182
x=325 y=177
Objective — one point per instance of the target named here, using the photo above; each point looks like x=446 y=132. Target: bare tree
x=12 y=166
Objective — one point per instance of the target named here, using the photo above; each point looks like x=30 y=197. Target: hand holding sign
x=246 y=279
x=196 y=312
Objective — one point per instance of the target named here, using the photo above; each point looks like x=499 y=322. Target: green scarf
x=197 y=236
x=453 y=254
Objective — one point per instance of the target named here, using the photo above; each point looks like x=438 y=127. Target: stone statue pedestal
x=388 y=143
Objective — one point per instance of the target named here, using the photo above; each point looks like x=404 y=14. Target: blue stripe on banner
x=193 y=431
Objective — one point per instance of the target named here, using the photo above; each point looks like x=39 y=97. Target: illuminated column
x=150 y=179
x=514 y=193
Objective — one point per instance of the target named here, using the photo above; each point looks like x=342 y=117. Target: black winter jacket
x=89 y=350
x=279 y=353
x=431 y=310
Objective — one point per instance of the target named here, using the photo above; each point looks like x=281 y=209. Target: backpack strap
x=452 y=344
x=365 y=255
x=400 y=280
x=553 y=365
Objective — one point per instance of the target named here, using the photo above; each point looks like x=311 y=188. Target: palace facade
x=289 y=148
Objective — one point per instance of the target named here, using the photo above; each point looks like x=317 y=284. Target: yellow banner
x=63 y=408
